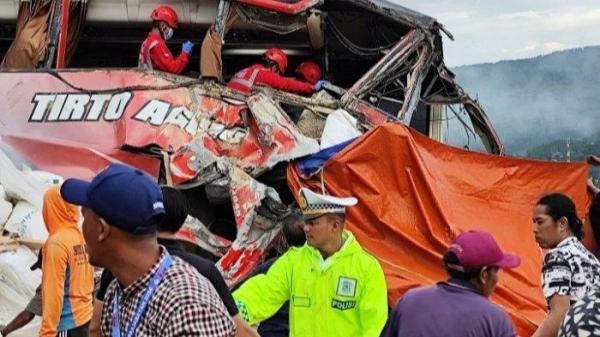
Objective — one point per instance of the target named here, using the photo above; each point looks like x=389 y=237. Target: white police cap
x=314 y=205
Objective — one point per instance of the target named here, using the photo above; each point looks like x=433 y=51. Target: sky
x=493 y=30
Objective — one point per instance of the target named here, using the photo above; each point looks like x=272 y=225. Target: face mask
x=168 y=33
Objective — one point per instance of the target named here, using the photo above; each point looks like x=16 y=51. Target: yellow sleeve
x=54 y=264
x=373 y=307
x=262 y=295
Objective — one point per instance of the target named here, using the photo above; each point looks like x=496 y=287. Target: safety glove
x=187 y=47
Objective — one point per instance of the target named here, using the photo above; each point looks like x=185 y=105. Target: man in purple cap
x=154 y=293
x=460 y=306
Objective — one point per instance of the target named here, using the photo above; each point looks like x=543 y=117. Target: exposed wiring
x=354 y=48
x=465 y=125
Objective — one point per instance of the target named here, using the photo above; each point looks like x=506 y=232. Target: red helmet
x=165 y=13
x=310 y=71
x=278 y=56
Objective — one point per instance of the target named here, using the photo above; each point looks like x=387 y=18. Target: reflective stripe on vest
x=248 y=83
x=144 y=59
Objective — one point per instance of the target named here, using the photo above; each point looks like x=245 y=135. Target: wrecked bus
x=73 y=101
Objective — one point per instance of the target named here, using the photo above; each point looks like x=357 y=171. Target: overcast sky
x=493 y=30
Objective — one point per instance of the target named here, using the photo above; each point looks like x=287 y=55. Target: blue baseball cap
x=123 y=196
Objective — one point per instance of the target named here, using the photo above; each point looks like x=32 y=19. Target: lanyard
x=141 y=308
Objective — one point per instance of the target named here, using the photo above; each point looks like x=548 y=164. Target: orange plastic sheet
x=415 y=195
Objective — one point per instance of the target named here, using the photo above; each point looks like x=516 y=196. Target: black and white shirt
x=582 y=318
x=570 y=269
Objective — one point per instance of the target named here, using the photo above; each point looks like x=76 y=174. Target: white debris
x=21 y=199
x=25 y=189
x=3 y=195
x=5 y=208
x=17 y=281
x=339 y=127
x=46 y=178
x=27 y=222
x=271 y=120
x=193 y=229
x=20 y=185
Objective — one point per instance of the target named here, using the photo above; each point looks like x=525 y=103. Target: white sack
x=26 y=221
x=5 y=208
x=19 y=185
x=339 y=127
x=17 y=281
x=46 y=178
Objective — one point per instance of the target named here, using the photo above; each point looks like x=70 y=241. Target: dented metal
x=201 y=134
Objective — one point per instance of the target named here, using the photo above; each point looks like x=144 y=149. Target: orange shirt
x=67 y=276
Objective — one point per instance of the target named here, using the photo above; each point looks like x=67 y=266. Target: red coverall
x=258 y=74
x=154 y=54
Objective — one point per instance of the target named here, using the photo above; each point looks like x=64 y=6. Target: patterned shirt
x=582 y=318
x=570 y=269
x=184 y=304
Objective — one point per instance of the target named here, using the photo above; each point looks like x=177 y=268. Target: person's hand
x=187 y=47
x=320 y=85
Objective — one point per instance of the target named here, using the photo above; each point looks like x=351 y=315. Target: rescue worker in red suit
x=309 y=71
x=270 y=74
x=154 y=53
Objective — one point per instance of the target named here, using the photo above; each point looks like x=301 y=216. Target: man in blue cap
x=154 y=294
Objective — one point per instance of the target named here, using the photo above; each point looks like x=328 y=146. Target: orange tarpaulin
x=415 y=195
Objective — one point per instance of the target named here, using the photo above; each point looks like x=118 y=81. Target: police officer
x=335 y=288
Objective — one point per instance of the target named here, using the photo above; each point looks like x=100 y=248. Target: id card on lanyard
x=143 y=304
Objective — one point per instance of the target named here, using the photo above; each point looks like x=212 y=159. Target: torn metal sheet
x=223 y=12
x=271 y=21
x=392 y=10
x=415 y=83
x=481 y=122
x=194 y=160
x=103 y=116
x=265 y=139
x=194 y=231
x=277 y=132
x=393 y=60
x=258 y=214
x=286 y=7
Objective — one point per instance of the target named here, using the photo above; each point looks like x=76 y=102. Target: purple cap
x=125 y=197
x=478 y=249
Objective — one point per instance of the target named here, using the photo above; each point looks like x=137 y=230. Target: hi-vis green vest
x=344 y=295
